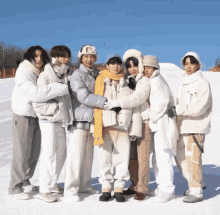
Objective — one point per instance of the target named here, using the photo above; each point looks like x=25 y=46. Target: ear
x=107 y=66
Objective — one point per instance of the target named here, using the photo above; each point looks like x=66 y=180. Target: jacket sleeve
x=28 y=88
x=200 y=106
x=48 y=108
x=82 y=93
x=159 y=101
x=136 y=123
x=138 y=97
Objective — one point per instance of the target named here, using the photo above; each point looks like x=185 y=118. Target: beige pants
x=114 y=159
x=189 y=160
x=139 y=161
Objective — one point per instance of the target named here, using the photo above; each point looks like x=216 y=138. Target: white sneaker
x=71 y=198
x=153 y=192
x=163 y=197
x=21 y=196
x=47 y=197
x=91 y=190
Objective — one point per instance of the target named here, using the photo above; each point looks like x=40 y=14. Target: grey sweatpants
x=26 y=151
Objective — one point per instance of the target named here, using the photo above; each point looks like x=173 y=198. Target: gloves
x=116 y=109
x=110 y=104
x=132 y=83
x=172 y=112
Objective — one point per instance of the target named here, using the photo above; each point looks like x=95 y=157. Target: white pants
x=115 y=152
x=79 y=161
x=162 y=164
x=53 y=154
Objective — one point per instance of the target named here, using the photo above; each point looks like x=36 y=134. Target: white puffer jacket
x=128 y=118
x=194 y=104
x=26 y=90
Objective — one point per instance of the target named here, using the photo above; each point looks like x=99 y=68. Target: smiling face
x=133 y=70
x=189 y=67
x=88 y=60
x=38 y=59
x=148 y=71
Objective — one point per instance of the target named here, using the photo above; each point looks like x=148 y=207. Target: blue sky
x=167 y=29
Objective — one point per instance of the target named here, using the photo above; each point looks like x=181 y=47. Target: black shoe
x=128 y=192
x=105 y=197
x=119 y=197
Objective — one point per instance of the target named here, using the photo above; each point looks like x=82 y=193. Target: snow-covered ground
x=90 y=203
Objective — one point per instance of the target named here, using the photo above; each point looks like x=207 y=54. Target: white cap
x=150 y=60
x=86 y=50
x=137 y=54
x=195 y=55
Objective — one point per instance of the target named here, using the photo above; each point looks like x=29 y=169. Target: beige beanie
x=150 y=60
x=137 y=54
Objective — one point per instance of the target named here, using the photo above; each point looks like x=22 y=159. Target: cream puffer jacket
x=26 y=90
x=128 y=118
x=194 y=105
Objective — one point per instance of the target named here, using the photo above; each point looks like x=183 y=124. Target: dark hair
x=193 y=60
x=30 y=54
x=60 y=51
x=133 y=59
x=114 y=60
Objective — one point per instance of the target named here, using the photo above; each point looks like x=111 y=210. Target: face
x=38 y=59
x=190 y=68
x=88 y=60
x=133 y=70
x=148 y=71
x=115 y=68
x=63 y=60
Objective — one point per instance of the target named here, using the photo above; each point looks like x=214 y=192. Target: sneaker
x=139 y=196
x=30 y=188
x=128 y=192
x=91 y=190
x=163 y=197
x=57 y=189
x=119 y=197
x=152 y=192
x=71 y=198
x=47 y=197
x=21 y=196
x=192 y=199
x=105 y=197
x=187 y=192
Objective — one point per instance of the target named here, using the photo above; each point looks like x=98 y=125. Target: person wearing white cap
x=193 y=109
x=112 y=130
x=80 y=147
x=164 y=130
x=140 y=147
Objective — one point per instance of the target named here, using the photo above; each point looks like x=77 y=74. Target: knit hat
x=86 y=50
x=109 y=56
x=137 y=54
x=195 y=55
x=150 y=60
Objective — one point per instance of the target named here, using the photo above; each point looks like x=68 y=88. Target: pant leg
x=23 y=132
x=143 y=154
x=75 y=152
x=60 y=153
x=120 y=158
x=87 y=161
x=133 y=165
x=34 y=151
x=164 y=172
x=48 y=149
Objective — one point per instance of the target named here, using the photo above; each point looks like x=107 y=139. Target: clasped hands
x=112 y=105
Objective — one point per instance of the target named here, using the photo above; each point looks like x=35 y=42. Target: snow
x=90 y=204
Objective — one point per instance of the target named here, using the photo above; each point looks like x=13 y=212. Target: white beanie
x=195 y=55
x=86 y=50
x=150 y=60
x=137 y=54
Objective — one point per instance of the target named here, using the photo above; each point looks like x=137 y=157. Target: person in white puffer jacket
x=164 y=130
x=26 y=131
x=193 y=109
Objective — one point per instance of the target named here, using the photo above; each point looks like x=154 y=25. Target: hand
x=132 y=138
x=132 y=83
x=172 y=112
x=110 y=104
x=116 y=109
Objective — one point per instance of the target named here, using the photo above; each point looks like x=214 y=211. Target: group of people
x=127 y=111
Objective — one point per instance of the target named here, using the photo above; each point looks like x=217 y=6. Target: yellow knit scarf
x=99 y=89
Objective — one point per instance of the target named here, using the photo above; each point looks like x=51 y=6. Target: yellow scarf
x=99 y=89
